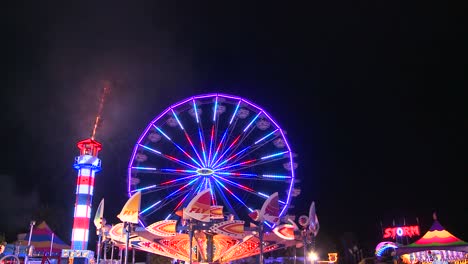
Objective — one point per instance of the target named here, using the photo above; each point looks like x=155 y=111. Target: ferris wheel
x=217 y=141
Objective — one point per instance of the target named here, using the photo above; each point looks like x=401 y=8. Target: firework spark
x=104 y=93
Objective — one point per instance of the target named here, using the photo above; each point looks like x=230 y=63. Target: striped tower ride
x=87 y=165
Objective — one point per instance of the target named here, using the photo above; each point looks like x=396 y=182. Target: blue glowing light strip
x=237 y=165
x=186 y=154
x=219 y=146
x=144 y=168
x=228 y=159
x=276 y=176
x=253 y=120
x=202 y=143
x=215 y=109
x=211 y=143
x=153 y=205
x=144 y=188
x=266 y=196
x=236 y=174
x=225 y=152
x=181 y=201
x=178 y=179
x=194 y=149
x=150 y=149
x=196 y=110
x=181 y=188
x=263 y=138
x=213 y=197
x=178 y=121
x=178 y=170
x=173 y=193
x=235 y=112
x=167 y=156
x=164 y=134
x=168 y=216
x=224 y=198
x=245 y=188
x=230 y=192
x=274 y=155
x=175 y=144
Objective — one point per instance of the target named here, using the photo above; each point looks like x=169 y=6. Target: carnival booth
x=436 y=246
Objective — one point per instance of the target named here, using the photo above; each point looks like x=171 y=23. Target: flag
x=199 y=207
x=99 y=216
x=131 y=209
x=314 y=224
x=270 y=209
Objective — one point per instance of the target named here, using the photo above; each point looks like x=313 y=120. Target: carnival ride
x=214 y=177
x=217 y=141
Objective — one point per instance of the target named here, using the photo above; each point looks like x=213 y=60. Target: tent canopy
x=43 y=238
x=437 y=238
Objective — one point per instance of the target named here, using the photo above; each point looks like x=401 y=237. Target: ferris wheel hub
x=205 y=171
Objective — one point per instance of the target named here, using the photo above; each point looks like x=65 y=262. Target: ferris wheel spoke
x=229 y=129
x=219 y=146
x=254 y=162
x=168 y=157
x=187 y=137
x=164 y=185
x=176 y=145
x=232 y=194
x=146 y=211
x=213 y=196
x=212 y=134
x=200 y=132
x=235 y=145
x=252 y=148
x=238 y=139
x=184 y=200
x=169 y=198
x=224 y=199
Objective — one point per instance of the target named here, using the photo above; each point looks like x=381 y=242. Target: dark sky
x=371 y=93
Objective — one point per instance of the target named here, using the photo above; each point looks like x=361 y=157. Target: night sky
x=372 y=95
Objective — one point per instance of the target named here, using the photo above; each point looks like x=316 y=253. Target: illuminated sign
x=408 y=231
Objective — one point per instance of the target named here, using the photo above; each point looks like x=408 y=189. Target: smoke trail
x=105 y=92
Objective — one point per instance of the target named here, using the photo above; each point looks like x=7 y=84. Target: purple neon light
x=213 y=152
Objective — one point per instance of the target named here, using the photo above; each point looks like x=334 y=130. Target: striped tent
x=436 y=244
x=44 y=240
